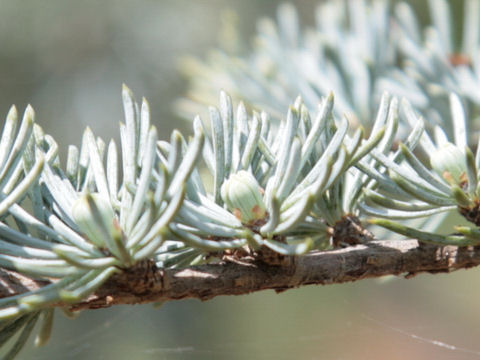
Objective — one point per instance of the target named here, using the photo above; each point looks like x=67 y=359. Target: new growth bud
x=242 y=195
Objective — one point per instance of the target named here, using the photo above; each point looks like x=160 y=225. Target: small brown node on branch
x=249 y=256
x=350 y=231
x=471 y=213
x=242 y=256
x=273 y=258
x=263 y=254
x=141 y=277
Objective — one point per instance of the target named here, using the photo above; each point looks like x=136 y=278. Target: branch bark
x=146 y=283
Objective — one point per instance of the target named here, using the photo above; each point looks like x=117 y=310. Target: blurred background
x=69 y=59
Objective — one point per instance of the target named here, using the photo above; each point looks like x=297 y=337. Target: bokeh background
x=69 y=59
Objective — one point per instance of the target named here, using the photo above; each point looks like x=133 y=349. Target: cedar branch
x=146 y=283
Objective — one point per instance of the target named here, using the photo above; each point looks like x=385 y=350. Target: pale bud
x=243 y=197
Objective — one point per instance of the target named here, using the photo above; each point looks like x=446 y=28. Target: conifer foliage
x=366 y=118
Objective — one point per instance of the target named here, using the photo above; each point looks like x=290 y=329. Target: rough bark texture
x=146 y=283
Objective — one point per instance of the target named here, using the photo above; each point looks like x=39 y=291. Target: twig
x=146 y=283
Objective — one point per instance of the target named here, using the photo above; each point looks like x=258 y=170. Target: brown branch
x=145 y=284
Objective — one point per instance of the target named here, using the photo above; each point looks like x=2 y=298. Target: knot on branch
x=350 y=231
x=472 y=213
x=140 y=279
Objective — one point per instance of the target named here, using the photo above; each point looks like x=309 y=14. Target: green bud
x=449 y=162
x=95 y=217
x=243 y=197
